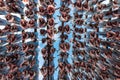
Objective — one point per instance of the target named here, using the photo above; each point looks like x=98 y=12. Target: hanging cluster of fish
x=18 y=40
x=76 y=39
